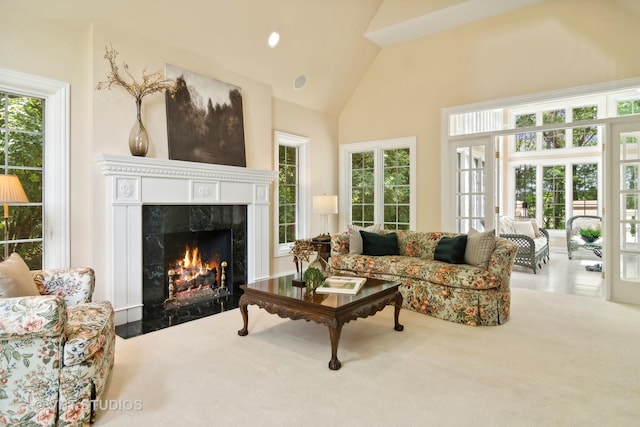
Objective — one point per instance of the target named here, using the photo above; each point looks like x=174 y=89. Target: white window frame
x=55 y=196
x=302 y=215
x=377 y=146
x=568 y=106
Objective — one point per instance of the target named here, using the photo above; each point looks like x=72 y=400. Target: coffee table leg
x=398 y=304
x=242 y=303
x=334 y=334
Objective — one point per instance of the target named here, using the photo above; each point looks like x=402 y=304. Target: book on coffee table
x=341 y=285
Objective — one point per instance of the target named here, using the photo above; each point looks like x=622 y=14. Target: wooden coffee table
x=279 y=296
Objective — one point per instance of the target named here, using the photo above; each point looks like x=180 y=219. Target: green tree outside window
x=21 y=150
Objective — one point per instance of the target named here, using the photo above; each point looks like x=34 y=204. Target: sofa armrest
x=32 y=317
x=340 y=243
x=32 y=333
x=501 y=261
x=75 y=285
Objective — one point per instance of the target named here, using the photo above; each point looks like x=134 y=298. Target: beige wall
x=553 y=45
x=59 y=52
x=101 y=120
x=323 y=152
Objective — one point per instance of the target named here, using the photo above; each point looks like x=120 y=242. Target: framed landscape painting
x=204 y=120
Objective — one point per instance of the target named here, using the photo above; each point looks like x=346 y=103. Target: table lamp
x=11 y=191
x=325 y=205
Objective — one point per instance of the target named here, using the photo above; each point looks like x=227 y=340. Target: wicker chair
x=532 y=252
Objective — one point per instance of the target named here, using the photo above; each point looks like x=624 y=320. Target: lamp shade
x=325 y=205
x=11 y=190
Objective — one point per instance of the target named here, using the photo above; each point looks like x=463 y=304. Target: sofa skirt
x=475 y=307
x=488 y=307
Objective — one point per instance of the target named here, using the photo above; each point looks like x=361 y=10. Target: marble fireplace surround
x=132 y=182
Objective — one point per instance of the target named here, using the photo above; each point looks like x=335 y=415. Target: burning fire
x=191 y=279
x=191 y=266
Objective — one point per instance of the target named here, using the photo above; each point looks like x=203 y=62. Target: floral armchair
x=56 y=350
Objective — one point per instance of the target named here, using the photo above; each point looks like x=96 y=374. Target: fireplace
x=194 y=260
x=187 y=190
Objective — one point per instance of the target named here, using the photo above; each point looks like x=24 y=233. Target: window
x=53 y=201
x=362 y=188
x=292 y=191
x=566 y=189
x=585 y=189
x=525 y=141
x=397 y=191
x=21 y=143
x=625 y=108
x=562 y=161
x=585 y=136
x=287 y=193
x=376 y=183
x=552 y=139
x=526 y=196
x=553 y=197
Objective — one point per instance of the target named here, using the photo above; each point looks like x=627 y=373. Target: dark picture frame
x=204 y=119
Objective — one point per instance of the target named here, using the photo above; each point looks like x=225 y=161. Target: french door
x=622 y=215
x=473 y=188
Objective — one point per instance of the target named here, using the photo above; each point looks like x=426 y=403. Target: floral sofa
x=458 y=293
x=56 y=351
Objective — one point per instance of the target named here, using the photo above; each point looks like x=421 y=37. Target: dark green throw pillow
x=379 y=244
x=451 y=249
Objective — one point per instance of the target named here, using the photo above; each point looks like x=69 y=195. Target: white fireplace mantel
x=132 y=182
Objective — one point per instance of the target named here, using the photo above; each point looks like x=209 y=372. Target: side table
x=323 y=247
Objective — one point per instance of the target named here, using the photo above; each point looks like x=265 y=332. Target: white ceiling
x=331 y=42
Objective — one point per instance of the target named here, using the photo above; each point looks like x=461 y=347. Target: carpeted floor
x=561 y=360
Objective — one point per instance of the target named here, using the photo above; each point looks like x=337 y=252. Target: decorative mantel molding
x=132 y=182
x=142 y=166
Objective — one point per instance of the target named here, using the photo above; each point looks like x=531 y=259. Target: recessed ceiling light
x=274 y=38
x=299 y=82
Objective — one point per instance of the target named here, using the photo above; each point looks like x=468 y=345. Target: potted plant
x=313 y=278
x=590 y=235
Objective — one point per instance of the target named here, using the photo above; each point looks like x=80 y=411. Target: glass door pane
x=629 y=191
x=471 y=187
x=622 y=247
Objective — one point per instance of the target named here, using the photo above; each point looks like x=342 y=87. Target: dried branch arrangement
x=151 y=83
x=301 y=250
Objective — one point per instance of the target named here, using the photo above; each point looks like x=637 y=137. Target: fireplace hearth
x=157 y=320
x=194 y=261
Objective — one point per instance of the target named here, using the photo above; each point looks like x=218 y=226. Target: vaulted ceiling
x=331 y=43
